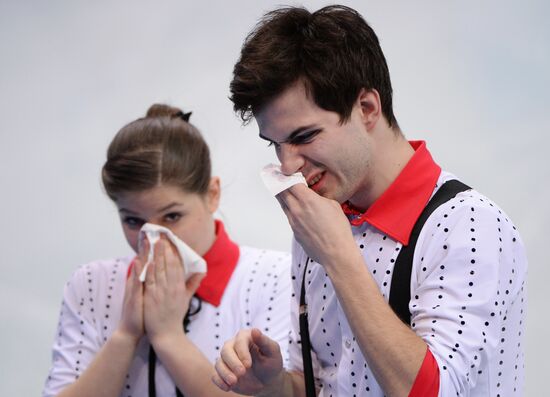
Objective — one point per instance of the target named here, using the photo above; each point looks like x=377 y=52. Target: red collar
x=221 y=260
x=395 y=212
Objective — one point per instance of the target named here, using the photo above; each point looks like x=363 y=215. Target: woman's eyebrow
x=169 y=206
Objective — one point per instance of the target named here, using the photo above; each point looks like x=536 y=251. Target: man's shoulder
x=470 y=219
x=468 y=203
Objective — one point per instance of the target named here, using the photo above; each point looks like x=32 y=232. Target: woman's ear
x=213 y=194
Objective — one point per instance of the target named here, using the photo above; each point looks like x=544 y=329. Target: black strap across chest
x=400 y=290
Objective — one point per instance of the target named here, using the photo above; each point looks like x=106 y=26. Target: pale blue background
x=470 y=77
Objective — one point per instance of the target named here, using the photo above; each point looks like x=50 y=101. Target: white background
x=472 y=78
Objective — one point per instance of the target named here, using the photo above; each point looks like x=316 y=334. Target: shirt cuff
x=426 y=383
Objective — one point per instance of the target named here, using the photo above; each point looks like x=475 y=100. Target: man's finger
x=235 y=362
x=281 y=199
x=219 y=382
x=300 y=191
x=224 y=377
x=268 y=347
x=292 y=202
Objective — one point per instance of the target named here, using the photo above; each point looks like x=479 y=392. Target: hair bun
x=161 y=110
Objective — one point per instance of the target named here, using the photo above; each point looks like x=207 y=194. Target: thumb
x=267 y=346
x=194 y=281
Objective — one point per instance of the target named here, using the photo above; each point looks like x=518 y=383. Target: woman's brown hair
x=160 y=148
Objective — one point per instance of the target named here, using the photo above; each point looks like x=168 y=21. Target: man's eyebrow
x=126 y=211
x=293 y=134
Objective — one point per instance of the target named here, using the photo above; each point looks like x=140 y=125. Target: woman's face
x=188 y=215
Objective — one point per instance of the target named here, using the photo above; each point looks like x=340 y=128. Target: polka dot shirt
x=257 y=295
x=467 y=303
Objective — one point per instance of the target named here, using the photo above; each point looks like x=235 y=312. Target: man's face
x=334 y=158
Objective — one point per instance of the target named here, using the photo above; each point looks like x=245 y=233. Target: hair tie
x=183 y=116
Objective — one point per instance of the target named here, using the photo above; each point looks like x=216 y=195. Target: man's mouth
x=315 y=179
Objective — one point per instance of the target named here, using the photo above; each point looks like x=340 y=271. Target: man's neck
x=389 y=155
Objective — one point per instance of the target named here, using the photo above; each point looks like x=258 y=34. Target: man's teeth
x=315 y=180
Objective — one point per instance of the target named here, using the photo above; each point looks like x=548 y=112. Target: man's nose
x=290 y=158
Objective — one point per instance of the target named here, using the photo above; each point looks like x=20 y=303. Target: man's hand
x=318 y=223
x=250 y=363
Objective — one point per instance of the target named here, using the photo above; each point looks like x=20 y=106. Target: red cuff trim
x=426 y=383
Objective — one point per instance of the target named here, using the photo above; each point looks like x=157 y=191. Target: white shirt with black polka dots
x=467 y=303
x=257 y=295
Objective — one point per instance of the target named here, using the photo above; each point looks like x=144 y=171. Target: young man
x=319 y=88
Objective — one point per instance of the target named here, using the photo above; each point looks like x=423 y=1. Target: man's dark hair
x=333 y=51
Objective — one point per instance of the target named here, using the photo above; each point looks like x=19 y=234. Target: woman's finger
x=150 y=275
x=137 y=268
x=160 y=262
x=174 y=268
x=143 y=250
x=193 y=282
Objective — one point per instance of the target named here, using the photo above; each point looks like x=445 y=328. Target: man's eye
x=133 y=222
x=305 y=138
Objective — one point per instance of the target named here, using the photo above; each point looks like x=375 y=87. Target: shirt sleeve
x=77 y=340
x=469 y=272
x=272 y=311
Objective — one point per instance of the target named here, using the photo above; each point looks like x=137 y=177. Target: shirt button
x=348 y=343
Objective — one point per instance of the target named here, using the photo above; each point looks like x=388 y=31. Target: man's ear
x=370 y=107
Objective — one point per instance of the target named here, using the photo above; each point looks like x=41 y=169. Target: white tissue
x=277 y=182
x=192 y=262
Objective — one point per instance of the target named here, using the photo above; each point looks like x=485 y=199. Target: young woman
x=120 y=337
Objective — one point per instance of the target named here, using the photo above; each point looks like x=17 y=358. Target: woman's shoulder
x=100 y=270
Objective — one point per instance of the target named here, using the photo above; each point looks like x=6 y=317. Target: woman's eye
x=133 y=222
x=275 y=144
x=172 y=217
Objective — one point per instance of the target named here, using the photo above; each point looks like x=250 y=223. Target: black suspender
x=400 y=290
x=304 y=339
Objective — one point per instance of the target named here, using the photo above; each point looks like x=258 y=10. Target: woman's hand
x=131 y=321
x=167 y=295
